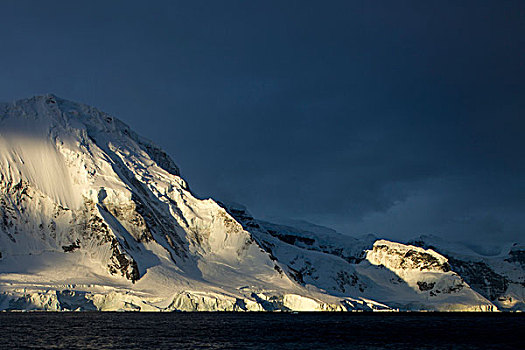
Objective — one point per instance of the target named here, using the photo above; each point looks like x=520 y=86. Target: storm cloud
x=394 y=118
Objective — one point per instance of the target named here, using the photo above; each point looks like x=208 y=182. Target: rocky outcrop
x=396 y=256
x=517 y=255
x=498 y=278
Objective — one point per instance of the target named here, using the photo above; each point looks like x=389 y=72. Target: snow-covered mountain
x=95 y=217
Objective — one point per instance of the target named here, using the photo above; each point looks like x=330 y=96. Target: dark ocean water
x=261 y=331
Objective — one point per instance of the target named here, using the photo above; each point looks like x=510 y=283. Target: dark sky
x=397 y=118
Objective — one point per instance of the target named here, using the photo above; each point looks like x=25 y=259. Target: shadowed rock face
x=352 y=253
x=481 y=277
x=517 y=255
x=346 y=277
x=495 y=278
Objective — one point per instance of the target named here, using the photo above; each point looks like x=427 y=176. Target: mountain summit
x=95 y=217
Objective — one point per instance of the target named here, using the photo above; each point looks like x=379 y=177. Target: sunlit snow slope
x=94 y=217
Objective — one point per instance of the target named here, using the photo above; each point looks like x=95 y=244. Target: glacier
x=96 y=217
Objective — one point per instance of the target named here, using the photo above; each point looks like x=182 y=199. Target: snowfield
x=95 y=217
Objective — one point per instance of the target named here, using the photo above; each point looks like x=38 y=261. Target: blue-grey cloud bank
x=397 y=118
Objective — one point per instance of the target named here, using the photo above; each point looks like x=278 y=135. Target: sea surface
x=93 y=330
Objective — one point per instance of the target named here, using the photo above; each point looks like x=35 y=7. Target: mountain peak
x=94 y=216
x=49 y=115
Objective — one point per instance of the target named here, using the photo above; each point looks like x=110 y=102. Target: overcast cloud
x=389 y=117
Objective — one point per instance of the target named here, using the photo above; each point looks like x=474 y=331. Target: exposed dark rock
x=517 y=256
x=291 y=239
x=425 y=286
x=415 y=259
x=296 y=275
x=345 y=280
x=123 y=263
x=478 y=274
x=131 y=219
x=249 y=223
x=160 y=157
x=480 y=277
x=454 y=288
x=72 y=247
x=154 y=221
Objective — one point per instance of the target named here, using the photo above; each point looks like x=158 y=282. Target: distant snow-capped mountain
x=95 y=217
